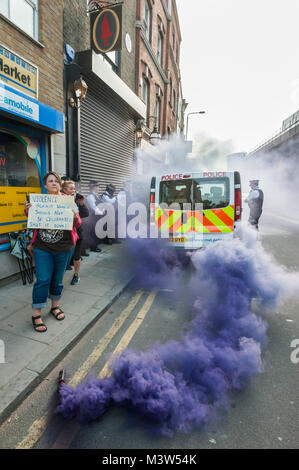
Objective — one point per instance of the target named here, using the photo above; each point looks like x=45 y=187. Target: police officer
x=108 y=197
x=255 y=202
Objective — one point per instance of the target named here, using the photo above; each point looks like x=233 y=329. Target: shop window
x=24 y=13
x=17 y=168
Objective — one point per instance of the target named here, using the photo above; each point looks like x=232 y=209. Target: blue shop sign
x=18 y=104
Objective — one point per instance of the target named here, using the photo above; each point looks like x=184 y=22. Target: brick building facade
x=45 y=51
x=158 y=81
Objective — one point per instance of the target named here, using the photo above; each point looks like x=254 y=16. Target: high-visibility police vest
x=256 y=205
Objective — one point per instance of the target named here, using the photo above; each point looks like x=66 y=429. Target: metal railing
x=277 y=134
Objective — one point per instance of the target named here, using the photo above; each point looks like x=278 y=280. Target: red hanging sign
x=106 y=30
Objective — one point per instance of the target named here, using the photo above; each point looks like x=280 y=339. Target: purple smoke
x=153 y=264
x=183 y=384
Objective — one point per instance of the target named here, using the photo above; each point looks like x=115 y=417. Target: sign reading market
x=18 y=73
x=106 y=30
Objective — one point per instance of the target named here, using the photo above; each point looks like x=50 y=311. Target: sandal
x=58 y=313
x=37 y=325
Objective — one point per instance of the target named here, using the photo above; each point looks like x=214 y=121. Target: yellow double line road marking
x=67 y=435
x=103 y=343
x=38 y=427
x=106 y=372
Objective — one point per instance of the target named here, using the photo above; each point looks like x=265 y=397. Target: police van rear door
x=173 y=213
x=213 y=207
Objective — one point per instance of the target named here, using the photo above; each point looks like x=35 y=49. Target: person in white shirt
x=255 y=201
x=93 y=200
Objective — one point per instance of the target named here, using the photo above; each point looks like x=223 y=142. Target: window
x=145 y=92
x=157 y=113
x=4 y=7
x=176 y=192
x=212 y=193
x=160 y=48
x=170 y=91
x=24 y=13
x=169 y=6
x=147 y=20
x=174 y=100
x=173 y=39
x=112 y=59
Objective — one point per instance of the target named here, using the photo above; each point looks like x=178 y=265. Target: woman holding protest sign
x=51 y=251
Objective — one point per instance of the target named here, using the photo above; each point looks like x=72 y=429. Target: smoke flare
x=183 y=384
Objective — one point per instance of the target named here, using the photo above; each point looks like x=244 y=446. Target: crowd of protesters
x=55 y=251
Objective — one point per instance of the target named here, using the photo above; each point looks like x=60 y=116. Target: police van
x=192 y=210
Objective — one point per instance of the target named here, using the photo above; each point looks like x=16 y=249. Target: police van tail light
x=238 y=197
x=238 y=208
x=152 y=208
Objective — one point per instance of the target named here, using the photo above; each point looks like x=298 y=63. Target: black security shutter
x=107 y=137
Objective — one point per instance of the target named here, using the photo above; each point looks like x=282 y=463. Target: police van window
x=176 y=192
x=213 y=193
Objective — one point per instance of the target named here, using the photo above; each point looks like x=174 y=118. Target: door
x=213 y=209
x=173 y=215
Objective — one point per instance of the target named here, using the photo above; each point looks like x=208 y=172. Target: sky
x=240 y=64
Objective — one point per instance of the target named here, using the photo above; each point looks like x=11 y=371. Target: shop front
x=26 y=125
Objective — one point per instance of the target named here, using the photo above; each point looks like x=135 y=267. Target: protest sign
x=51 y=212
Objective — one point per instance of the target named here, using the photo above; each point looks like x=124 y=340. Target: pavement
x=29 y=356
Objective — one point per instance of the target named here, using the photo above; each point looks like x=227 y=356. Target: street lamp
x=79 y=93
x=196 y=112
x=139 y=129
x=155 y=137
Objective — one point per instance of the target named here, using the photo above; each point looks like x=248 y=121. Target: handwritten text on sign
x=51 y=212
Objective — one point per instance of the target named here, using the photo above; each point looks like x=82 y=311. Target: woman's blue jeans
x=49 y=271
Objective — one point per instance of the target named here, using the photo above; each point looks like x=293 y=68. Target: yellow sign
x=18 y=73
x=12 y=200
x=178 y=240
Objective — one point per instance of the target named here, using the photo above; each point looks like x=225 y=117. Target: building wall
x=173 y=67
x=76 y=31
x=128 y=59
x=46 y=53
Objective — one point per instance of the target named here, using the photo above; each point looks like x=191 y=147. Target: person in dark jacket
x=108 y=197
x=69 y=188
x=255 y=202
